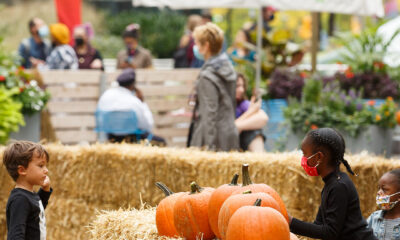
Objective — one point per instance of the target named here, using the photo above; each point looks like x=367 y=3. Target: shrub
x=160 y=31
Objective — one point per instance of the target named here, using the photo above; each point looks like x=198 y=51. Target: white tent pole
x=259 y=48
x=314 y=40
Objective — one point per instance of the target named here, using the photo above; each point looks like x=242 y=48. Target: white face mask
x=384 y=203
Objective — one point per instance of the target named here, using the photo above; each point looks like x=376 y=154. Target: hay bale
x=125 y=225
x=113 y=176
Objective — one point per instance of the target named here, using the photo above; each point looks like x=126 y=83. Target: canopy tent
x=355 y=7
x=386 y=31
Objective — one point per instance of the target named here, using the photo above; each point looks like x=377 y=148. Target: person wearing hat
x=62 y=56
x=134 y=56
x=127 y=97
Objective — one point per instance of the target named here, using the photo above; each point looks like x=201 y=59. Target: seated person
x=134 y=56
x=386 y=222
x=37 y=47
x=63 y=55
x=88 y=57
x=250 y=119
x=127 y=97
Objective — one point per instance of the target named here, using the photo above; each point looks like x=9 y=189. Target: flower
x=21 y=89
x=2 y=78
x=339 y=63
x=378 y=117
x=313 y=127
x=389 y=98
x=371 y=103
x=306 y=122
x=359 y=106
x=349 y=74
x=303 y=74
x=379 y=65
x=387 y=113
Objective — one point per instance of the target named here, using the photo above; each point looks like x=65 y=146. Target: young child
x=26 y=163
x=339 y=215
x=386 y=222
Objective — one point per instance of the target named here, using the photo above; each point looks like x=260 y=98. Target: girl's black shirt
x=339 y=215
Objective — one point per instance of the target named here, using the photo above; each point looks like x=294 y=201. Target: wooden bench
x=75 y=95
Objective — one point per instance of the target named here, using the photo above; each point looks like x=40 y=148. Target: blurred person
x=213 y=121
x=63 y=55
x=36 y=47
x=268 y=14
x=250 y=119
x=128 y=97
x=206 y=17
x=241 y=47
x=88 y=57
x=184 y=55
x=134 y=56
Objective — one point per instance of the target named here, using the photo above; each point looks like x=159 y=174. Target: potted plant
x=364 y=125
x=26 y=91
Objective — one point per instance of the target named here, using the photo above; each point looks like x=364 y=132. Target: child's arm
x=45 y=192
x=18 y=211
x=335 y=212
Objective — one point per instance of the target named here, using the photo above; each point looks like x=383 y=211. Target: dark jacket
x=339 y=215
x=214 y=115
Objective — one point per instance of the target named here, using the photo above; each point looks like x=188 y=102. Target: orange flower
x=349 y=74
x=339 y=63
x=313 y=127
x=21 y=89
x=389 y=98
x=379 y=65
x=378 y=117
x=387 y=113
x=303 y=74
x=371 y=103
x=306 y=122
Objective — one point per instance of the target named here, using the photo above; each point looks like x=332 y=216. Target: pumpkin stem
x=234 y=180
x=245 y=175
x=195 y=188
x=247 y=192
x=257 y=203
x=164 y=188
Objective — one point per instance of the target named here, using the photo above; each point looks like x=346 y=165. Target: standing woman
x=213 y=122
x=339 y=215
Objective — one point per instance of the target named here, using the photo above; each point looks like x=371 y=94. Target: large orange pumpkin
x=234 y=202
x=165 y=212
x=217 y=199
x=257 y=223
x=293 y=237
x=248 y=185
x=191 y=214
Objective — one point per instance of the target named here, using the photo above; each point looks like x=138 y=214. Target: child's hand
x=46 y=184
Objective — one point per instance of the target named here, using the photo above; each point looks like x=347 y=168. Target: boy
x=26 y=163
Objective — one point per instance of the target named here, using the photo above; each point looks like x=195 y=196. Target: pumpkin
x=398 y=117
x=248 y=185
x=257 y=223
x=165 y=212
x=191 y=214
x=234 y=202
x=293 y=237
x=217 y=199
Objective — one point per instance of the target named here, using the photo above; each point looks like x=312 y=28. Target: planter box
x=274 y=131
x=374 y=139
x=31 y=130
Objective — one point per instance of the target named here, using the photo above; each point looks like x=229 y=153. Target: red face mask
x=311 y=171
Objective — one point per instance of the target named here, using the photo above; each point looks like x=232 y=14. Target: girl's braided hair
x=334 y=142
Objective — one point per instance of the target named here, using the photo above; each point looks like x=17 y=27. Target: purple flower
x=352 y=94
x=343 y=96
x=359 y=106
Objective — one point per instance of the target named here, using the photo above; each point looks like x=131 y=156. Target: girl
x=213 y=121
x=250 y=119
x=339 y=215
x=386 y=222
